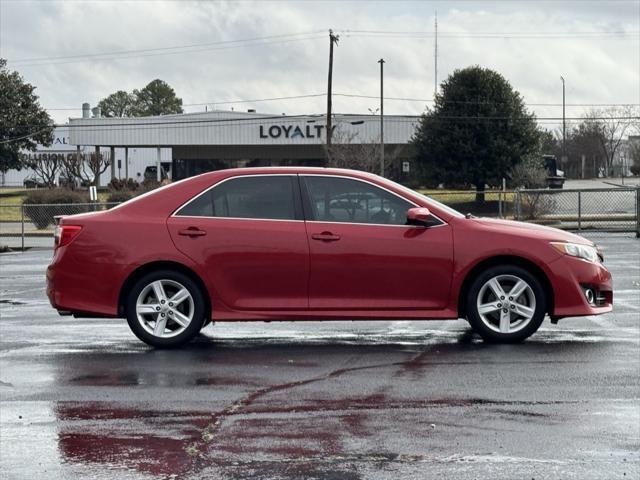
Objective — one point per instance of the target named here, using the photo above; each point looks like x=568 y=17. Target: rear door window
x=270 y=197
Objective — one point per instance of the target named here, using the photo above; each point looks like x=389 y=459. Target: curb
x=621 y=185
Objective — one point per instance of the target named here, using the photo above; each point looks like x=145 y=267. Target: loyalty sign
x=291 y=131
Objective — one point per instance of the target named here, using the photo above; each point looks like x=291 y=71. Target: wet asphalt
x=304 y=400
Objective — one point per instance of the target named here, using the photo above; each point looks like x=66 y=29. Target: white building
x=207 y=141
x=189 y=144
x=139 y=159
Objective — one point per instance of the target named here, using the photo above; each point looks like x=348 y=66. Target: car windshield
x=438 y=204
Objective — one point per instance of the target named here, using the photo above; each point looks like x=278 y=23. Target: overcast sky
x=531 y=43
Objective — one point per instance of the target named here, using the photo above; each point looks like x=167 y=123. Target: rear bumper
x=570 y=277
x=74 y=288
x=55 y=281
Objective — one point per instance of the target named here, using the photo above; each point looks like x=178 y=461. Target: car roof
x=232 y=172
x=169 y=197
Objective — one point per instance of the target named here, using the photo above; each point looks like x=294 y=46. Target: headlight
x=587 y=252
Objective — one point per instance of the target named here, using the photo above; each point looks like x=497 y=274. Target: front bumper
x=570 y=277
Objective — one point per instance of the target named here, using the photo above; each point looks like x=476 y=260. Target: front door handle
x=192 y=232
x=325 y=237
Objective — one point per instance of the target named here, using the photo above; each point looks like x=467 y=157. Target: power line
x=139 y=122
x=522 y=34
x=313 y=32
x=106 y=124
x=352 y=95
x=298 y=117
x=227 y=102
x=103 y=57
x=482 y=102
x=120 y=52
x=412 y=119
x=27 y=135
x=290 y=37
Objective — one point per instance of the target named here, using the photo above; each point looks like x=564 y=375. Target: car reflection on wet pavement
x=334 y=400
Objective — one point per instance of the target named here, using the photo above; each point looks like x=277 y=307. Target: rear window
x=268 y=197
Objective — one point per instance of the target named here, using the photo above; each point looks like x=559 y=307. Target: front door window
x=336 y=199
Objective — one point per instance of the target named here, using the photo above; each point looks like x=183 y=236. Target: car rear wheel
x=166 y=309
x=505 y=304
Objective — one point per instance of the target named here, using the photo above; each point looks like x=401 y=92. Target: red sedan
x=315 y=244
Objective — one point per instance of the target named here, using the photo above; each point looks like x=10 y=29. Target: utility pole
x=332 y=39
x=564 y=127
x=381 y=62
x=435 y=58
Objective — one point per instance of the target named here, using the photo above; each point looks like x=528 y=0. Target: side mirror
x=418 y=216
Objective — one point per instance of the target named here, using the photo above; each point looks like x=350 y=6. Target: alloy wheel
x=165 y=308
x=506 y=303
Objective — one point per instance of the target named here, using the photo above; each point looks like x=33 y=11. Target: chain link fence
x=604 y=209
x=496 y=204
x=26 y=226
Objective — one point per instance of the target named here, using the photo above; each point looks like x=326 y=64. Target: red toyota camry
x=315 y=244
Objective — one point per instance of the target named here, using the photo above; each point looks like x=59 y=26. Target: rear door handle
x=325 y=237
x=192 y=232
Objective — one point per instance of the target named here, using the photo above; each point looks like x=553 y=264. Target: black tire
x=200 y=312
x=482 y=324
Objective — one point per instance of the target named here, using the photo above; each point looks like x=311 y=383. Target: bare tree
x=610 y=125
x=529 y=173
x=635 y=119
x=346 y=151
x=44 y=165
x=584 y=140
x=86 y=167
x=634 y=153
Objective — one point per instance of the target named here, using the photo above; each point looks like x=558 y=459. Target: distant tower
x=435 y=57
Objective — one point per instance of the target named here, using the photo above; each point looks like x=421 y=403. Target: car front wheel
x=505 y=304
x=166 y=309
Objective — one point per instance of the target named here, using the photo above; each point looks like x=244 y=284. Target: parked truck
x=555 y=178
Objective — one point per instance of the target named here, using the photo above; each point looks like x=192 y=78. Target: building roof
x=237 y=128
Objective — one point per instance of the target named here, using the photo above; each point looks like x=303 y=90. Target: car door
x=248 y=234
x=364 y=256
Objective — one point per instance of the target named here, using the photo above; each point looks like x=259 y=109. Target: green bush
x=41 y=206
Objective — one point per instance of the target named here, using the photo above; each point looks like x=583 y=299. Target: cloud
x=597 y=69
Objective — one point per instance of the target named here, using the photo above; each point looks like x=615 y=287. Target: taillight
x=64 y=234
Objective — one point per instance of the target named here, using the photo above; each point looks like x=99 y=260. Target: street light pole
x=381 y=62
x=564 y=126
x=435 y=57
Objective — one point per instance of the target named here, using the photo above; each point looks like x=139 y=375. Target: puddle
x=147 y=441
x=12 y=302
